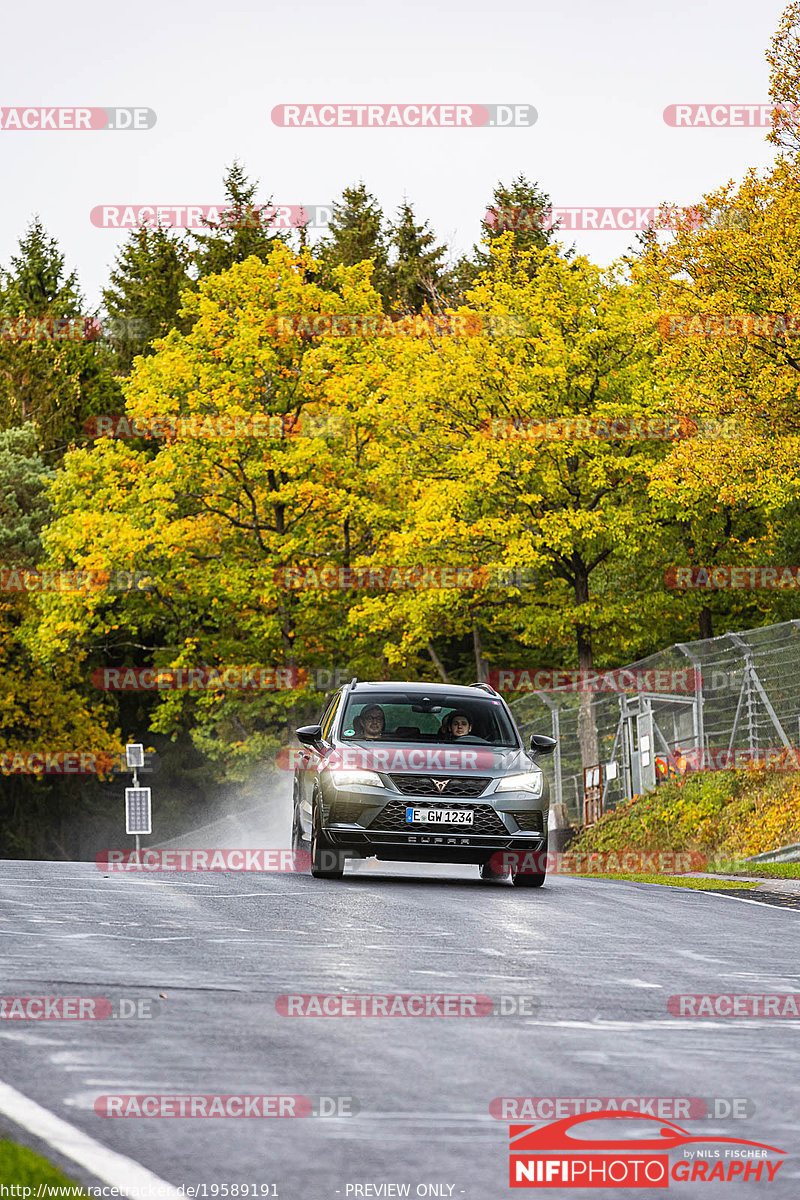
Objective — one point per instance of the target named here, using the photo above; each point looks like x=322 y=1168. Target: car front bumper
x=369 y=824
x=442 y=846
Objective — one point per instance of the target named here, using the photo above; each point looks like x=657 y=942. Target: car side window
x=330 y=716
x=326 y=712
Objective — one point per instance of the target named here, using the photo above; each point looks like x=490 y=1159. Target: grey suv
x=421 y=772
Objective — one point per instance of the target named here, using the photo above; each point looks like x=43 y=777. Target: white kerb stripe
x=108 y=1166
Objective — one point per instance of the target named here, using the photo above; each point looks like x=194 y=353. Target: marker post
x=138 y=805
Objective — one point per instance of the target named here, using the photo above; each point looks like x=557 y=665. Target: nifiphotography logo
x=550 y=1156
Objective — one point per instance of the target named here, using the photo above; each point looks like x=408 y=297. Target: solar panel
x=137 y=810
x=134 y=754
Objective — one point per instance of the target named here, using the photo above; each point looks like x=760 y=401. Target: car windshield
x=417 y=717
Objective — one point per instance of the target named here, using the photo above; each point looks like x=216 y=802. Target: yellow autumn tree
x=560 y=525
x=213 y=519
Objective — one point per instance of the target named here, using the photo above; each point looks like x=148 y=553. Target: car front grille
x=455 y=785
x=393 y=817
x=530 y=821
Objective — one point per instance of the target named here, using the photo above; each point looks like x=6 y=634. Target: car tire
x=327 y=861
x=528 y=879
x=492 y=876
x=298 y=841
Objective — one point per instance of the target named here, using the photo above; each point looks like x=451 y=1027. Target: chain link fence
x=707 y=705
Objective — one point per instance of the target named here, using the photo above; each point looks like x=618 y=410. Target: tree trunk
x=706 y=622
x=437 y=662
x=346 y=530
x=587 y=725
x=480 y=665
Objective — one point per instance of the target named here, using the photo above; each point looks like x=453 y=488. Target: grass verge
x=684 y=881
x=19 y=1165
x=723 y=816
x=764 y=870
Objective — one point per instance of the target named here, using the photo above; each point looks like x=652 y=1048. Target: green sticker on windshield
x=349 y=733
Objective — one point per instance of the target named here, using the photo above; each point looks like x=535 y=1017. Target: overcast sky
x=599 y=75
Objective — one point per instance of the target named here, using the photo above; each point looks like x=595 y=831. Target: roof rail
x=487 y=687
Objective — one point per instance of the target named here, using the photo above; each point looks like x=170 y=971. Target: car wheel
x=298 y=841
x=491 y=875
x=528 y=879
x=327 y=861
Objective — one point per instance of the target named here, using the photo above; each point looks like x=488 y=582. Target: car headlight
x=531 y=782
x=345 y=779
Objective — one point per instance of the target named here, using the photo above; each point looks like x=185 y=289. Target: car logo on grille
x=440 y=784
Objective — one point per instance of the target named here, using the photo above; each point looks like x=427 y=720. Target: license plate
x=440 y=816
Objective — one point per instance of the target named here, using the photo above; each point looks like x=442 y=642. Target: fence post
x=554 y=713
x=697 y=709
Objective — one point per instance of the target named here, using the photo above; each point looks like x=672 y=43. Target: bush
x=728 y=813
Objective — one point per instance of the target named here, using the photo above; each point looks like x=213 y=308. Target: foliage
x=730 y=814
x=521 y=211
x=418 y=449
x=243 y=231
x=24 y=505
x=415 y=274
x=212 y=519
x=54 y=369
x=143 y=297
x=356 y=233
x=552 y=516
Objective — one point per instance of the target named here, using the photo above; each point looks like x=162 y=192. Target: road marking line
x=112 y=1168
x=741 y=899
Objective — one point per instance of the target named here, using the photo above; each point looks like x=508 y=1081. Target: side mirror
x=310 y=735
x=541 y=744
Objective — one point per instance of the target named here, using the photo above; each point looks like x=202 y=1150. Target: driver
x=457 y=724
x=373 y=722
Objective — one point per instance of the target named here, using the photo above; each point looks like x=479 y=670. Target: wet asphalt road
x=599 y=958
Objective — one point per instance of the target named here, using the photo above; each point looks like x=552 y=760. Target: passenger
x=457 y=724
x=372 y=721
